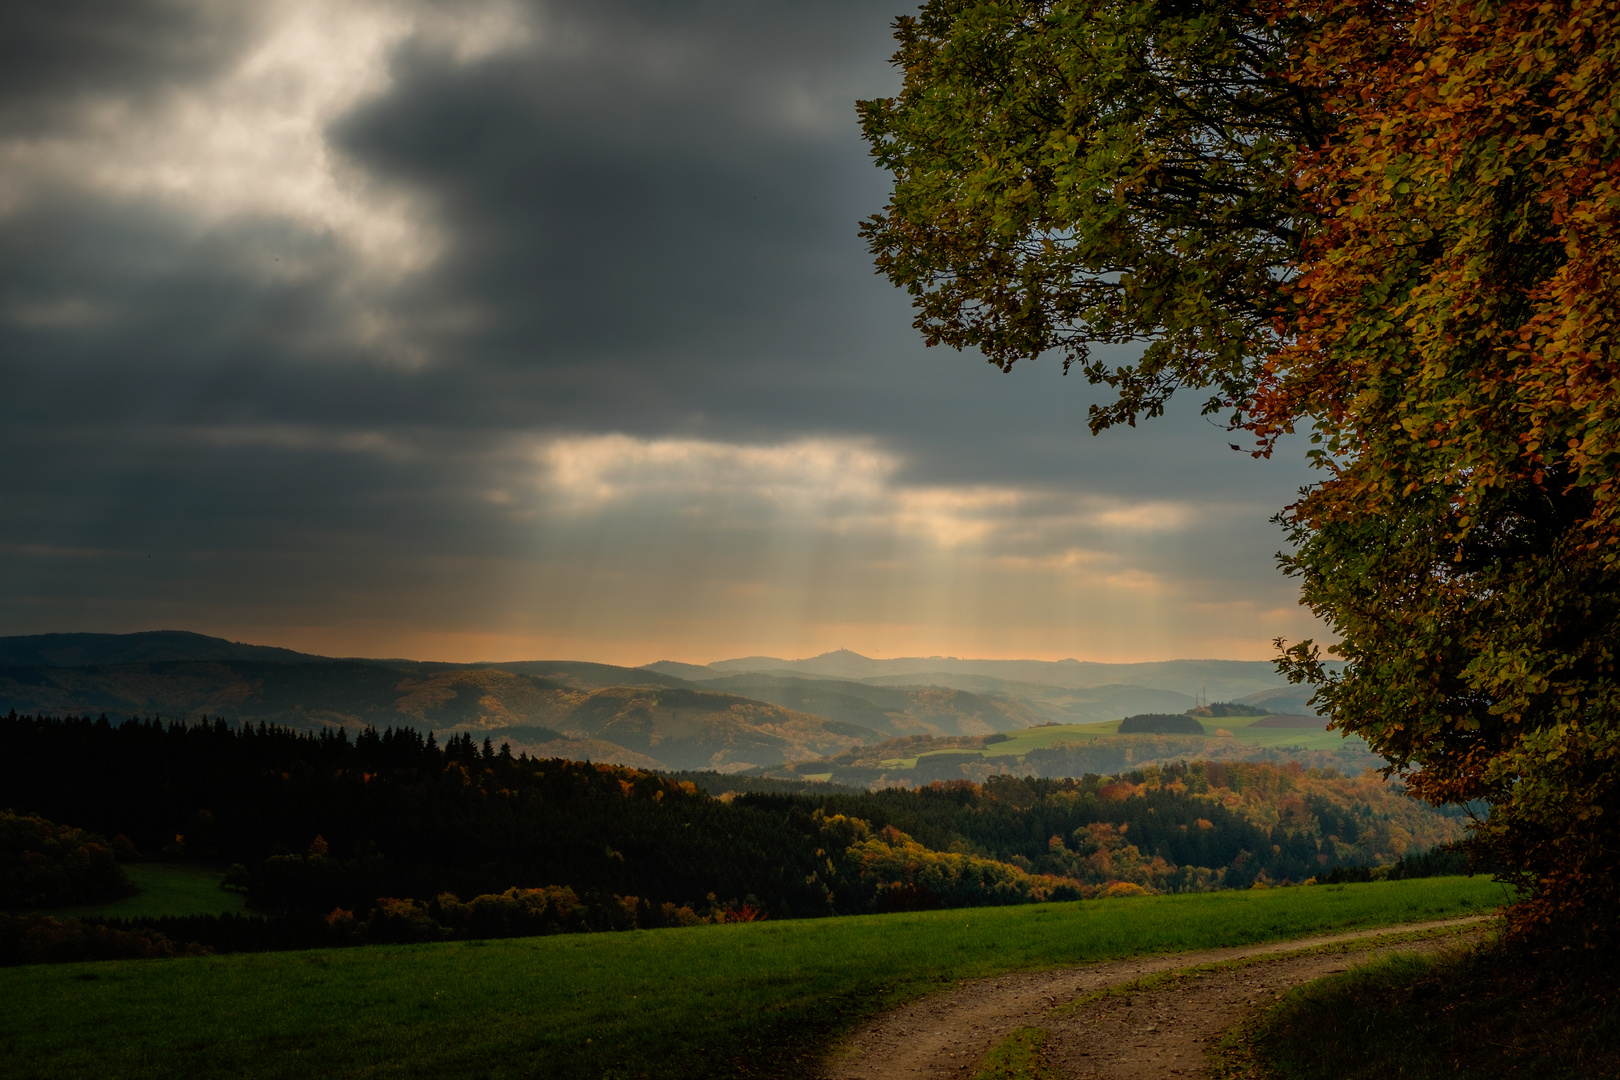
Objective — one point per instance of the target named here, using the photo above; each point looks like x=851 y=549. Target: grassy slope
x=166 y=889
x=1041 y=738
x=1478 y=1016
x=763 y=999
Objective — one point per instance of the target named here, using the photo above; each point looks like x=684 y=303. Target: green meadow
x=755 y=999
x=1242 y=728
x=167 y=889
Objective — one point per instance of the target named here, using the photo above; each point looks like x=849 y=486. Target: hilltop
x=1065 y=690
x=755 y=714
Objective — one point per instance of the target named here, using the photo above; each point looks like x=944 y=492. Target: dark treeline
x=1160 y=724
x=1228 y=708
x=33 y=937
x=1014 y=819
x=1106 y=833
x=397 y=815
x=377 y=837
x=718 y=783
x=1436 y=862
x=43 y=864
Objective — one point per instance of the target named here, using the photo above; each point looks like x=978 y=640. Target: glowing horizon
x=530 y=331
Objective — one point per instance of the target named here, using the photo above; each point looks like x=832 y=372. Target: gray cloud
x=63 y=60
x=284 y=339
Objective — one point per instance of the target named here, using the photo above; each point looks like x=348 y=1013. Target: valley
x=821 y=717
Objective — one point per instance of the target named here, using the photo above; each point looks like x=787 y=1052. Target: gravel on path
x=1154 y=1032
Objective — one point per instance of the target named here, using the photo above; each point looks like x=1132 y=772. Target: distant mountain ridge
x=893 y=710
x=1212 y=679
x=735 y=715
x=150 y=646
x=182 y=646
x=544 y=707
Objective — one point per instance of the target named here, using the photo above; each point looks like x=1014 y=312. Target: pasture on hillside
x=1305 y=733
x=165 y=889
x=754 y=999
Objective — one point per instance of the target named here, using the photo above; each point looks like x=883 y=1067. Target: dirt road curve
x=1154 y=1033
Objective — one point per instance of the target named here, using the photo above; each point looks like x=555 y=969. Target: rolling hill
x=1065 y=750
x=892 y=710
x=700 y=729
x=757 y=714
x=151 y=646
x=655 y=726
x=1213 y=679
x=1063 y=691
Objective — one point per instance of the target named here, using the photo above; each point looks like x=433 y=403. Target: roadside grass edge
x=755 y=999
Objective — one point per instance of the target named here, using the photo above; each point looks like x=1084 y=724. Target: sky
x=486 y=330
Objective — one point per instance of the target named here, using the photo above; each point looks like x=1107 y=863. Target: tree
x=1391 y=224
x=1454 y=350
x=1096 y=171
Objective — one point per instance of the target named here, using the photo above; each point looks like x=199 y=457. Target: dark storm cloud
x=649 y=204
x=664 y=193
x=58 y=58
x=649 y=216
x=655 y=208
x=228 y=394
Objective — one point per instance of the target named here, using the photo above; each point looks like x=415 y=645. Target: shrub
x=43 y=864
x=1160 y=724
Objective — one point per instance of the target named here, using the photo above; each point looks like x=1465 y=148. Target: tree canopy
x=1389 y=224
x=1070 y=173
x=1454 y=349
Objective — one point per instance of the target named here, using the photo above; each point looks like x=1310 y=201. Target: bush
x=1442 y=861
x=1160 y=724
x=43 y=864
x=1227 y=708
x=40 y=939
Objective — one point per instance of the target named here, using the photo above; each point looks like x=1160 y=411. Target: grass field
x=1477 y=1016
x=755 y=999
x=1242 y=728
x=167 y=889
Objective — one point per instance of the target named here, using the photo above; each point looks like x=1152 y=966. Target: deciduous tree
x=1096 y=171
x=1453 y=349
x=1390 y=224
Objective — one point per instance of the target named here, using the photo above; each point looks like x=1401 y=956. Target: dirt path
x=1148 y=1033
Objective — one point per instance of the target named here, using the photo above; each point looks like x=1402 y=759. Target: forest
x=390 y=836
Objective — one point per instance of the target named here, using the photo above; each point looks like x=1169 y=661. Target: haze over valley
x=754 y=714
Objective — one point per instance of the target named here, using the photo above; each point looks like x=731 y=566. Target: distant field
x=758 y=999
x=1246 y=730
x=167 y=889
